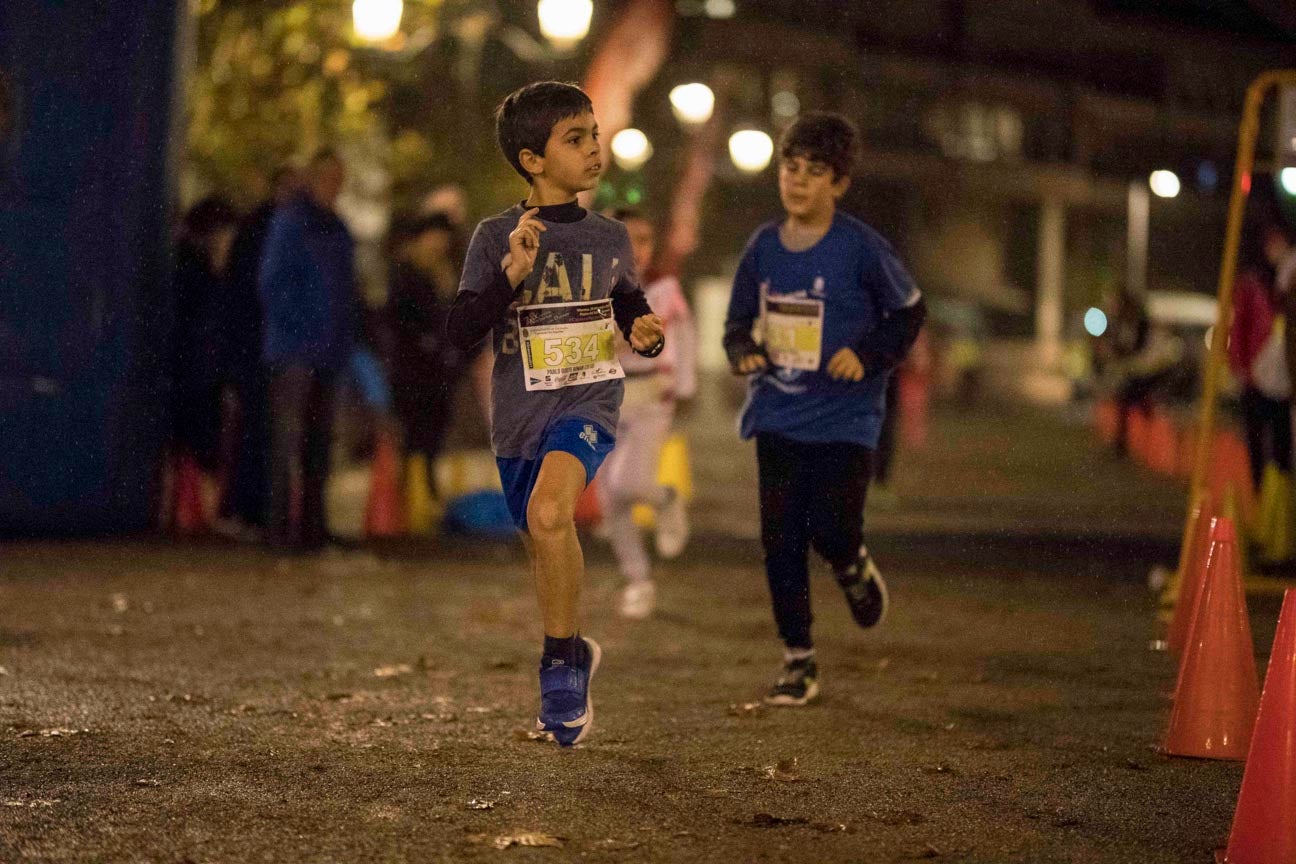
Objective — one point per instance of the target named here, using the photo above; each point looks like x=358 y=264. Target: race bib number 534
x=568 y=344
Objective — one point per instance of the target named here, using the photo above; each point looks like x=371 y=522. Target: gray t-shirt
x=585 y=260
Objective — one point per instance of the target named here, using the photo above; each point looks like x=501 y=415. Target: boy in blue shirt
x=553 y=280
x=822 y=311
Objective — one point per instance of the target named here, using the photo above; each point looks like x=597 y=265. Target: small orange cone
x=1192 y=575
x=383 y=512
x=1264 y=824
x=1216 y=695
x=1163 y=444
x=1105 y=420
x=190 y=512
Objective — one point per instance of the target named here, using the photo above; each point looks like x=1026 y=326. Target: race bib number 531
x=568 y=344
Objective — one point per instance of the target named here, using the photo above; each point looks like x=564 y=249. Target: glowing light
x=565 y=22
x=1165 y=184
x=751 y=150
x=785 y=103
x=631 y=149
x=719 y=8
x=1287 y=177
x=1095 y=322
x=692 y=103
x=376 y=20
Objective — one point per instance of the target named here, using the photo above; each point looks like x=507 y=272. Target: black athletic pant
x=301 y=411
x=1268 y=432
x=810 y=495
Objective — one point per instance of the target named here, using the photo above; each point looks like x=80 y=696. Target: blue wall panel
x=84 y=305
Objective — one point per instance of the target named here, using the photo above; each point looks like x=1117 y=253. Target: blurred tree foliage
x=272 y=81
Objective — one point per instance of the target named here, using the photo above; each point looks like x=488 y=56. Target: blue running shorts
x=588 y=442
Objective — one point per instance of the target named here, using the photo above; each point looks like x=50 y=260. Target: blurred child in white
x=653 y=387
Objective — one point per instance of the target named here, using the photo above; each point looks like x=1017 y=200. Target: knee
x=548 y=517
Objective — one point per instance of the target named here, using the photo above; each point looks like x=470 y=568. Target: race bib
x=568 y=344
x=794 y=332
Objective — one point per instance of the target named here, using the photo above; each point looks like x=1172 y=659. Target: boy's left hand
x=845 y=365
x=646 y=332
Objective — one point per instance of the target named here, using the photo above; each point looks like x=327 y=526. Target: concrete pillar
x=1136 y=243
x=1050 y=279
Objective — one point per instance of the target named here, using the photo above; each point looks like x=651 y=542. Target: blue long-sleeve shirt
x=308 y=288
x=869 y=304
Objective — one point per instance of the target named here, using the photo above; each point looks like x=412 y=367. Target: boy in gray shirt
x=552 y=281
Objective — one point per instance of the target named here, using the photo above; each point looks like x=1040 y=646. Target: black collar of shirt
x=569 y=212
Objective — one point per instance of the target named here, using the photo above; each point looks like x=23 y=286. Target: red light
x=1246 y=184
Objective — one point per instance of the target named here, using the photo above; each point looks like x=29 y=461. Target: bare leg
x=558 y=564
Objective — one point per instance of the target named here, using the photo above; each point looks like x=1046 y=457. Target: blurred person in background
x=1257 y=355
x=426 y=367
x=202 y=255
x=653 y=387
x=1138 y=360
x=244 y=501
x=308 y=294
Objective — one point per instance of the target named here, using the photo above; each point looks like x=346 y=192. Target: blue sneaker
x=566 y=710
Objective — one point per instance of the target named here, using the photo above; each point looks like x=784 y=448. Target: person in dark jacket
x=426 y=368
x=309 y=299
x=202 y=253
x=244 y=502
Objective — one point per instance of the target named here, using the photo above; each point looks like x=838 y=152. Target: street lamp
x=376 y=20
x=751 y=150
x=1287 y=177
x=692 y=103
x=631 y=149
x=565 y=22
x=1164 y=184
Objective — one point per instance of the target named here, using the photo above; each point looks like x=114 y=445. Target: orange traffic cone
x=1105 y=420
x=588 y=511
x=1264 y=824
x=383 y=512
x=1163 y=444
x=1192 y=575
x=190 y=512
x=1216 y=696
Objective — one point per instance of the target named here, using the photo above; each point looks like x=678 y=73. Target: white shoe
x=672 y=525
x=638 y=600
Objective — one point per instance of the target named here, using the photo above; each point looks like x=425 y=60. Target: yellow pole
x=1247 y=132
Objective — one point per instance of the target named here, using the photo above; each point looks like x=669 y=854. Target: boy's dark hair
x=822 y=136
x=525 y=118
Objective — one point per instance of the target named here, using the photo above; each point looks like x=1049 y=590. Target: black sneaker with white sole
x=797 y=684
x=866 y=591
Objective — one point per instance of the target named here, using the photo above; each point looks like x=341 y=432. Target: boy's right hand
x=750 y=363
x=524 y=245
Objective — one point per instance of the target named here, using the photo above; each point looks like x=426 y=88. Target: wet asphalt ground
x=197 y=702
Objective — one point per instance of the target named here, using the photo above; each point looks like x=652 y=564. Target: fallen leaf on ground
x=786 y=771
x=746 y=709
x=4 y=671
x=896 y=817
x=59 y=732
x=532 y=735
x=533 y=839
x=148 y=782
x=393 y=670
x=480 y=804
x=769 y=820
x=120 y=603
